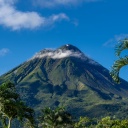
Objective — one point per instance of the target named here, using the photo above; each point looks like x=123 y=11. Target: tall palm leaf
x=123 y=45
x=123 y=61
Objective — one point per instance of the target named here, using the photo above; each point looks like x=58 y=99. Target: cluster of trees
x=57 y=121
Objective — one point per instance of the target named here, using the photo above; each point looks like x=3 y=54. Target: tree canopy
x=55 y=118
x=12 y=107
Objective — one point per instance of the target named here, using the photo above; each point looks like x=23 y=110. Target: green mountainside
x=66 y=77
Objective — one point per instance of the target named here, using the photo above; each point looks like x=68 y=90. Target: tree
x=12 y=107
x=121 y=62
x=55 y=118
x=108 y=122
x=85 y=122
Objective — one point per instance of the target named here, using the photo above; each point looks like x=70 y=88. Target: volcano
x=67 y=77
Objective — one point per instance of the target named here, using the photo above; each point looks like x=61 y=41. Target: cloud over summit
x=57 y=54
x=60 y=54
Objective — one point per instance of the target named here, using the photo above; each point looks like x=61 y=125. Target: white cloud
x=55 y=18
x=15 y=19
x=4 y=51
x=57 y=54
x=54 y=3
x=113 y=41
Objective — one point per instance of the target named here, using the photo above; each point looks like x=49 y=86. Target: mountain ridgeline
x=66 y=77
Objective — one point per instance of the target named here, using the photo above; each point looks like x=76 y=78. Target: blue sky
x=94 y=26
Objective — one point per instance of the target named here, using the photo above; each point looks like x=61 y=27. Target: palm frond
x=117 y=67
x=121 y=46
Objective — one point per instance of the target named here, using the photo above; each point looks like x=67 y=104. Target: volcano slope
x=66 y=77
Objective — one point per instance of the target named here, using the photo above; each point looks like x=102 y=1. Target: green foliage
x=84 y=122
x=122 y=45
x=121 y=62
x=11 y=106
x=107 y=122
x=55 y=118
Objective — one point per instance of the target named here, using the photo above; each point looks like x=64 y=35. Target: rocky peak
x=70 y=47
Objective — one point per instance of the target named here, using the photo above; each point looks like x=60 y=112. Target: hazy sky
x=94 y=26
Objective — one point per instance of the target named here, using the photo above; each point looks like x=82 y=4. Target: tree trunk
x=9 y=122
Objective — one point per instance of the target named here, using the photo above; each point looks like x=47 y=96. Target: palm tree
x=121 y=62
x=55 y=118
x=12 y=107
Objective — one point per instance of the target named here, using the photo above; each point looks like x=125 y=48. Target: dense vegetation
x=11 y=108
